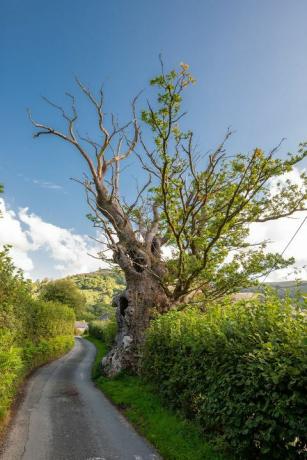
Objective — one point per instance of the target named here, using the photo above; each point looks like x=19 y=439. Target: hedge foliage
x=66 y=292
x=32 y=332
x=240 y=370
x=104 y=330
x=17 y=362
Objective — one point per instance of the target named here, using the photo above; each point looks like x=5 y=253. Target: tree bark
x=135 y=307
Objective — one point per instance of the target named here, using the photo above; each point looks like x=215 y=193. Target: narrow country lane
x=64 y=417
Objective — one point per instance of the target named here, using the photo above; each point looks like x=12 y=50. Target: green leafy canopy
x=208 y=202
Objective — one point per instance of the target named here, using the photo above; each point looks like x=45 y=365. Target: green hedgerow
x=32 y=332
x=16 y=362
x=104 y=330
x=239 y=369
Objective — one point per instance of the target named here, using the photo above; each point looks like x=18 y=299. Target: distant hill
x=99 y=287
x=302 y=285
x=96 y=280
x=284 y=287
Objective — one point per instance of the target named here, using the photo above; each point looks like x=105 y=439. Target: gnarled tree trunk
x=143 y=298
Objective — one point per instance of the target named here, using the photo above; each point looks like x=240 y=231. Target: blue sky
x=249 y=58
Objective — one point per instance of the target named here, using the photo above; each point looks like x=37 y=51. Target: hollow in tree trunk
x=135 y=307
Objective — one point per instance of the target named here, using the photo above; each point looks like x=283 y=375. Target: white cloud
x=279 y=232
x=41 y=183
x=46 y=184
x=59 y=250
x=12 y=233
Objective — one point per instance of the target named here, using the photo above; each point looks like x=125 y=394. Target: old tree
x=197 y=206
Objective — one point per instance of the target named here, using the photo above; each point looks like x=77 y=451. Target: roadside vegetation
x=235 y=373
x=174 y=437
x=64 y=291
x=99 y=289
x=89 y=294
x=239 y=370
x=104 y=331
x=32 y=331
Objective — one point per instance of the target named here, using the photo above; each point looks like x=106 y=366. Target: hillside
x=302 y=285
x=284 y=287
x=99 y=287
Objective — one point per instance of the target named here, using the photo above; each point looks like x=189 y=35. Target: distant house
x=81 y=327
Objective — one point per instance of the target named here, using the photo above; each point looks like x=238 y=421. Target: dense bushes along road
x=173 y=436
x=32 y=332
x=239 y=370
x=104 y=331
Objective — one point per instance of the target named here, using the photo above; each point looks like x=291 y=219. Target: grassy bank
x=174 y=437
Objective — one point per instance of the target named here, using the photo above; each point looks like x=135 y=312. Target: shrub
x=11 y=367
x=32 y=332
x=14 y=295
x=45 y=350
x=240 y=370
x=49 y=319
x=65 y=292
x=104 y=330
x=16 y=362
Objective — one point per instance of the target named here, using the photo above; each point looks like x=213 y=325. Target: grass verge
x=173 y=436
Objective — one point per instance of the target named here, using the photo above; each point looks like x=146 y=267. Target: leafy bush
x=98 y=288
x=65 y=292
x=104 y=330
x=240 y=370
x=49 y=319
x=34 y=355
x=15 y=363
x=14 y=295
x=11 y=367
x=32 y=332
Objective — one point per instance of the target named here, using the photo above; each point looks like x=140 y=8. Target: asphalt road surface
x=64 y=417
